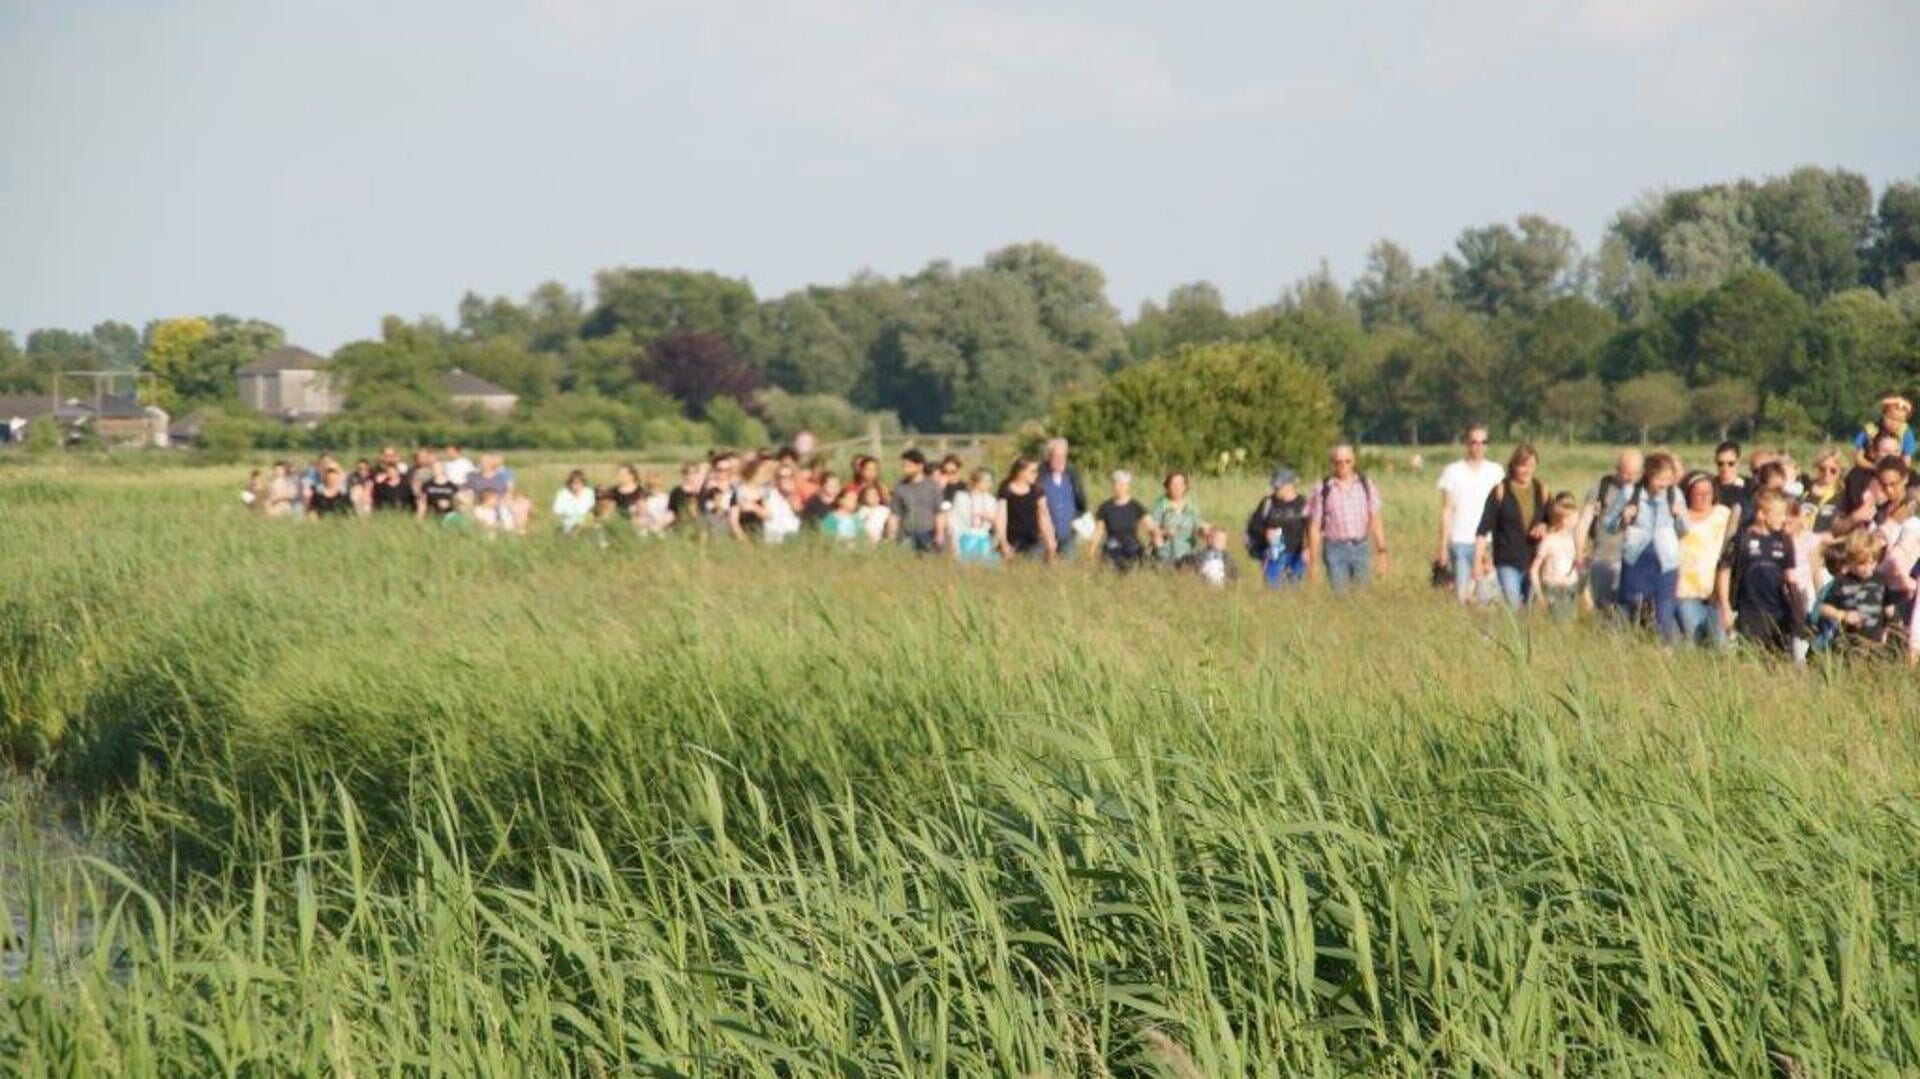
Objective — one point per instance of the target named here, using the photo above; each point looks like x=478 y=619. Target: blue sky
x=324 y=164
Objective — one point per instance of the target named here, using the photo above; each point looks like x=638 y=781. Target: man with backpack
x=1345 y=531
x=1600 y=550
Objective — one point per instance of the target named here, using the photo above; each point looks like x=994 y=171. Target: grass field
x=374 y=799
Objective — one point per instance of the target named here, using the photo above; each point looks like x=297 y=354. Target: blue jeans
x=1643 y=581
x=1283 y=567
x=1603 y=580
x=1701 y=618
x=1460 y=557
x=1514 y=586
x=1349 y=563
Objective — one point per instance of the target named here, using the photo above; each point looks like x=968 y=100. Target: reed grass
x=360 y=800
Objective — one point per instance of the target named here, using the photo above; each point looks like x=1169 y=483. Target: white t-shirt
x=1469 y=487
x=460 y=470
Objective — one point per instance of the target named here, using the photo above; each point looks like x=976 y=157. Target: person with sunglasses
x=1729 y=488
x=1820 y=502
x=1464 y=487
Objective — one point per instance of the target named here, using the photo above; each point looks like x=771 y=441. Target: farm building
x=466 y=391
x=290 y=383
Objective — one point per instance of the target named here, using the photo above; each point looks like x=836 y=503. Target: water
x=47 y=918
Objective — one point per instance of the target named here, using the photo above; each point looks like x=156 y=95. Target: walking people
x=1346 y=530
x=1708 y=525
x=916 y=520
x=1513 y=520
x=1118 y=524
x=1464 y=487
x=1174 y=523
x=973 y=518
x=1277 y=531
x=1066 y=500
x=1600 y=548
x=1025 y=527
x=1650 y=522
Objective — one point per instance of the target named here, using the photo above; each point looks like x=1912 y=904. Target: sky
x=321 y=165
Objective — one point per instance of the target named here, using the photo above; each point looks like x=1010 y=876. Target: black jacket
x=1513 y=542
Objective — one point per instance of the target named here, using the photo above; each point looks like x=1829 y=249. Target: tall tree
x=1753 y=327
x=697 y=368
x=1860 y=349
x=1393 y=291
x=1812 y=226
x=1194 y=314
x=650 y=303
x=1651 y=404
x=1070 y=297
x=1896 y=234
x=796 y=343
x=1503 y=269
x=964 y=357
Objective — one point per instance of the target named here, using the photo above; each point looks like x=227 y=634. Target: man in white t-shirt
x=459 y=467
x=1464 y=487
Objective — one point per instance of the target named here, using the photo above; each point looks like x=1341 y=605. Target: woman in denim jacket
x=1651 y=519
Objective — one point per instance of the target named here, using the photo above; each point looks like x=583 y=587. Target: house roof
x=25 y=405
x=460 y=384
x=286 y=358
x=113 y=406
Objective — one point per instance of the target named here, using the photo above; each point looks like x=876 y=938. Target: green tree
x=1651 y=404
x=1184 y=410
x=171 y=347
x=396 y=378
x=1724 y=404
x=1752 y=328
x=651 y=303
x=1576 y=407
x=1520 y=270
x=1861 y=349
x=1393 y=291
x=1562 y=343
x=796 y=343
x=964 y=357
x=1811 y=226
x=1896 y=234
x=1194 y=314
x=1070 y=298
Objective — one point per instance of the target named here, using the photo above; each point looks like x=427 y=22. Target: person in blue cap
x=1276 y=533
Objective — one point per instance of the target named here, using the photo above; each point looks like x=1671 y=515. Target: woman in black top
x=1512 y=526
x=1026 y=528
x=332 y=498
x=629 y=494
x=1116 y=525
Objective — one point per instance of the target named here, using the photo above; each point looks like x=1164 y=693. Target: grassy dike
x=363 y=800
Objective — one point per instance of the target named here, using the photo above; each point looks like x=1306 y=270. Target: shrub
x=1184 y=410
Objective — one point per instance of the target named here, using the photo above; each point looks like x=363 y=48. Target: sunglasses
x=1728 y=464
x=1476 y=441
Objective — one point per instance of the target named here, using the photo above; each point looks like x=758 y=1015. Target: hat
x=1894 y=400
x=1283 y=476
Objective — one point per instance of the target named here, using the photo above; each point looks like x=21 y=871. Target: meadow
x=380 y=799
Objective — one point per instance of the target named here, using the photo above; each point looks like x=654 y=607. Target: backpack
x=1609 y=485
x=1366 y=485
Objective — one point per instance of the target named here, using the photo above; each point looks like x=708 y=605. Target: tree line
x=1786 y=303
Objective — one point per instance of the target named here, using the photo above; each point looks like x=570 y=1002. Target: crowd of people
x=1750 y=551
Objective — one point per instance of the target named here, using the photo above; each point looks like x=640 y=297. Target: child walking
x=1554 y=576
x=1754 y=584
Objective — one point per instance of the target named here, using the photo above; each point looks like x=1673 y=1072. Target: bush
x=1185 y=410
x=225 y=438
x=733 y=425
